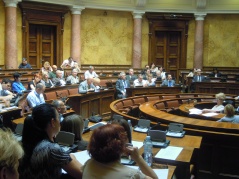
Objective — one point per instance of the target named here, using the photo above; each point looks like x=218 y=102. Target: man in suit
x=198 y=77
x=59 y=80
x=131 y=76
x=169 y=81
x=121 y=85
x=86 y=86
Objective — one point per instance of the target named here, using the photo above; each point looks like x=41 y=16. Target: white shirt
x=90 y=75
x=218 y=108
x=66 y=62
x=137 y=83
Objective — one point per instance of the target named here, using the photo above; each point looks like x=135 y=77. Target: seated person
x=74 y=123
x=77 y=67
x=163 y=73
x=169 y=81
x=96 y=83
x=68 y=63
x=73 y=78
x=121 y=85
x=153 y=68
x=11 y=152
x=24 y=64
x=218 y=108
x=32 y=84
x=60 y=107
x=52 y=74
x=46 y=81
x=6 y=88
x=190 y=74
x=36 y=97
x=126 y=127
x=86 y=86
x=198 y=77
x=17 y=86
x=230 y=115
x=106 y=146
x=150 y=81
x=59 y=80
x=43 y=157
x=140 y=81
x=46 y=67
x=147 y=73
x=131 y=76
x=215 y=73
x=90 y=73
x=158 y=76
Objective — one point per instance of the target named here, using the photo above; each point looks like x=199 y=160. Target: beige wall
x=108 y=39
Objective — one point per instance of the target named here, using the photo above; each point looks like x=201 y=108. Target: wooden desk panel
x=93 y=102
x=151 y=90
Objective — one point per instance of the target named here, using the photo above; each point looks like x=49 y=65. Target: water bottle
x=148 y=151
x=130 y=126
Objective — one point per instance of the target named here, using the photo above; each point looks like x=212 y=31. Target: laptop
x=86 y=128
x=175 y=130
x=158 y=138
x=66 y=141
x=142 y=126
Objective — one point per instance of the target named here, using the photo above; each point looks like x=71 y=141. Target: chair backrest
x=62 y=93
x=19 y=129
x=160 y=105
x=65 y=138
x=172 y=104
x=50 y=95
x=73 y=91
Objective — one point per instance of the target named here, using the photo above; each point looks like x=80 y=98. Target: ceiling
x=141 y=6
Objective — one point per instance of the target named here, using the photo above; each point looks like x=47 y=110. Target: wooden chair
x=50 y=95
x=73 y=91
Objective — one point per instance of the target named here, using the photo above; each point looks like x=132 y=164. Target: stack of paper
x=195 y=111
x=170 y=153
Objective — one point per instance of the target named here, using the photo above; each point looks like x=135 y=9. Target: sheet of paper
x=170 y=153
x=195 y=111
x=210 y=114
x=82 y=156
x=161 y=173
x=137 y=144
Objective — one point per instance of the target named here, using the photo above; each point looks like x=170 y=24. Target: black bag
x=95 y=118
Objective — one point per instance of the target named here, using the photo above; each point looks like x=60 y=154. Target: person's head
x=59 y=105
x=126 y=127
x=169 y=77
x=46 y=65
x=146 y=67
x=6 y=84
x=140 y=78
x=107 y=143
x=43 y=124
x=40 y=88
x=54 y=68
x=24 y=61
x=215 y=70
x=122 y=75
x=73 y=123
x=220 y=98
x=10 y=153
x=74 y=72
x=70 y=59
x=45 y=75
x=152 y=65
x=148 y=72
x=17 y=76
x=37 y=77
x=229 y=110
x=199 y=72
x=131 y=71
x=150 y=77
x=158 y=73
x=59 y=74
x=161 y=68
x=96 y=81
x=91 y=69
x=89 y=81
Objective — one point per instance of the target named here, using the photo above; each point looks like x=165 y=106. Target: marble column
x=198 y=44
x=137 y=40
x=76 y=33
x=11 y=34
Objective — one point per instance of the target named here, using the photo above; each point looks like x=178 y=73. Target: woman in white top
x=230 y=115
x=220 y=97
x=153 y=67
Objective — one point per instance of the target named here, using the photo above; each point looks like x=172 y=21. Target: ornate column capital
x=11 y=3
x=76 y=9
x=199 y=16
x=138 y=14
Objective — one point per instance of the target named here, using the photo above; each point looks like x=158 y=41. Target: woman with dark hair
x=153 y=67
x=32 y=84
x=106 y=146
x=126 y=127
x=43 y=158
x=230 y=115
x=75 y=124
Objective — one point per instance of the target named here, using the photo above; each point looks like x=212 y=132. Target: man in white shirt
x=140 y=81
x=91 y=73
x=68 y=63
x=73 y=78
x=35 y=97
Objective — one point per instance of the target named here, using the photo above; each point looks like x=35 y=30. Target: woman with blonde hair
x=46 y=67
x=10 y=153
x=220 y=97
x=230 y=115
x=47 y=82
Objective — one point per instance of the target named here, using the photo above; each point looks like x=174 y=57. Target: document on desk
x=170 y=153
x=195 y=111
x=137 y=144
x=161 y=173
x=210 y=114
x=82 y=156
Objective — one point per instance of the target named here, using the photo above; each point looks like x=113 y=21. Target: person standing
x=121 y=85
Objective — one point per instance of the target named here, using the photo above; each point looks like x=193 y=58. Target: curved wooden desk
x=216 y=157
